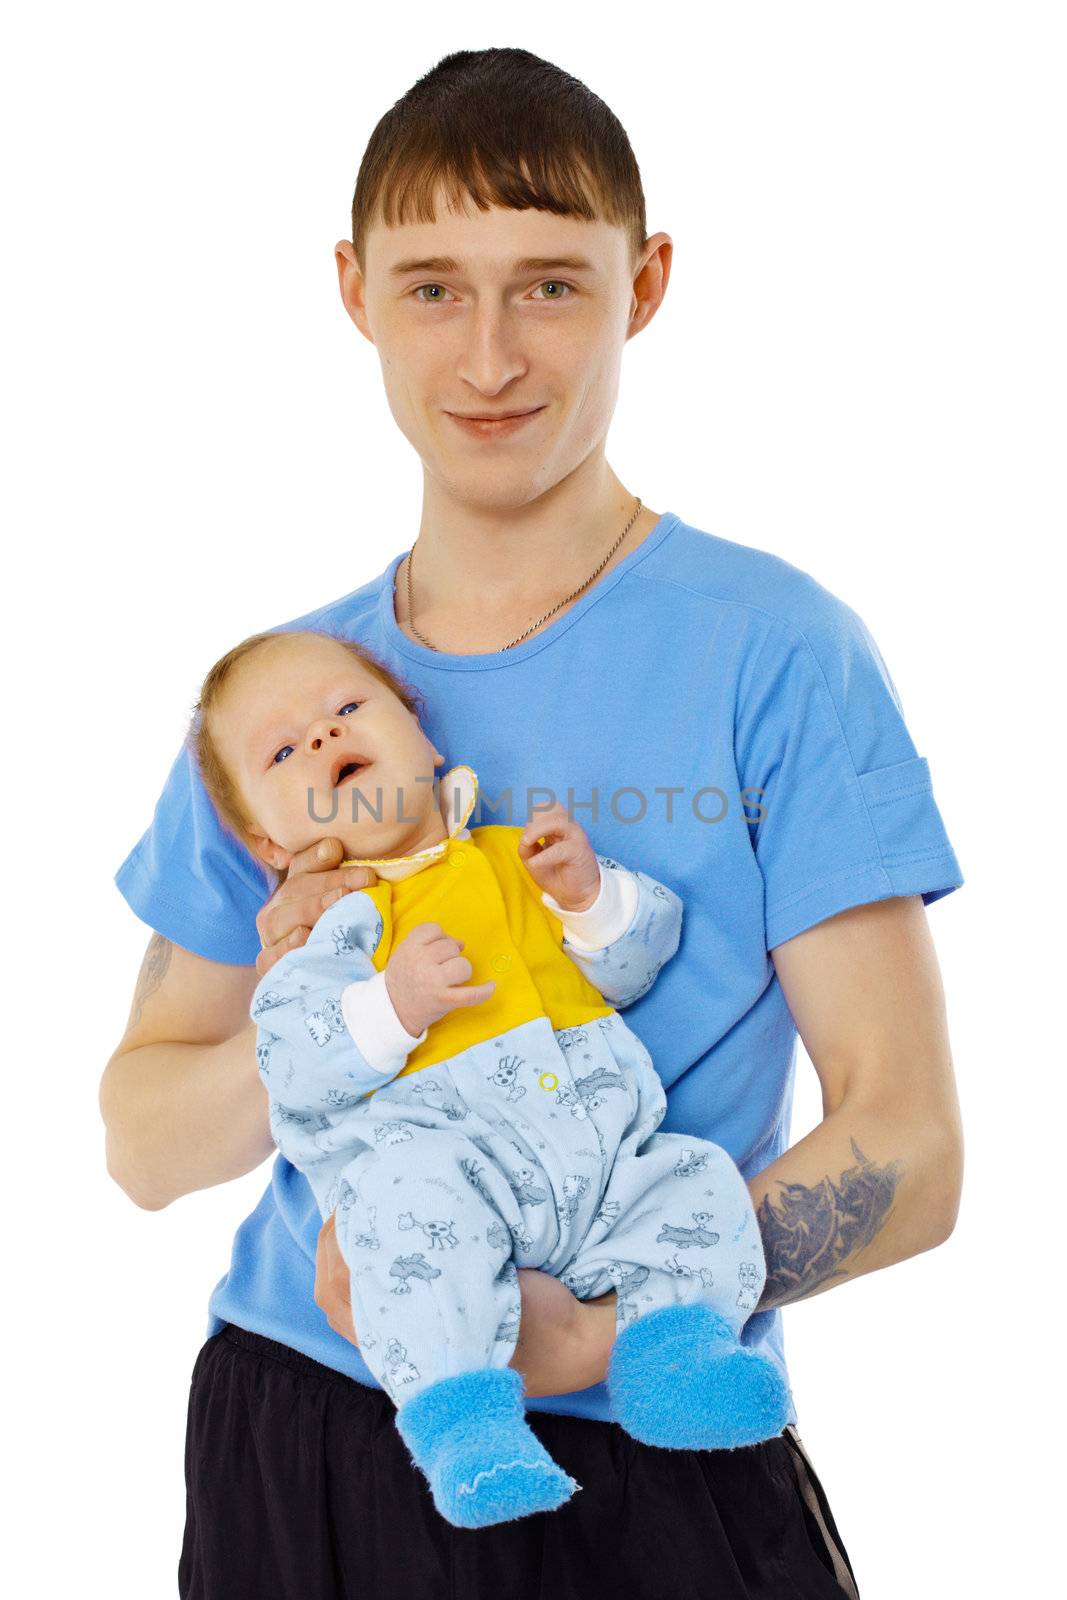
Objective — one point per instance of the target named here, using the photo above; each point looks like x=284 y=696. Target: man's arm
x=181 y=1097
x=879 y=1179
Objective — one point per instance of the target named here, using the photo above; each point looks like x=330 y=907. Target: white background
x=859 y=365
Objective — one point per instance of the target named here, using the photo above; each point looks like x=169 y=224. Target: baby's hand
x=424 y=975
x=566 y=866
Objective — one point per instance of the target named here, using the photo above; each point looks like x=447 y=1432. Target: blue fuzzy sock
x=468 y=1434
x=678 y=1378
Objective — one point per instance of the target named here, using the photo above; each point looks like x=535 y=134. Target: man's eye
x=437 y=299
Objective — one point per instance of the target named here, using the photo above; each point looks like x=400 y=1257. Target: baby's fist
x=426 y=976
x=565 y=866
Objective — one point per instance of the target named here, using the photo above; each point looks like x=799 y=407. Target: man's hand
x=565 y=866
x=332 y=1283
x=564 y=1343
x=313 y=882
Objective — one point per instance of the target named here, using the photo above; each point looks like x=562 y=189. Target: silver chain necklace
x=533 y=628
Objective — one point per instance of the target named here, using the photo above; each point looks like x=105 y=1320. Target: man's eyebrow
x=401 y=269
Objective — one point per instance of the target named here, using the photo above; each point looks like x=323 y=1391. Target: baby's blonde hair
x=218 y=782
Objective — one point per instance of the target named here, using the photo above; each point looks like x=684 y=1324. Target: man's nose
x=322 y=731
x=491 y=359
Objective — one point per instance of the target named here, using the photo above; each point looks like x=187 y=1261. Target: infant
x=447 y=1066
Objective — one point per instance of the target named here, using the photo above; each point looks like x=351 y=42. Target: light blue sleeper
x=533 y=1148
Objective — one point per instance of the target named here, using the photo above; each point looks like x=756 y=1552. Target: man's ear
x=353 y=288
x=275 y=855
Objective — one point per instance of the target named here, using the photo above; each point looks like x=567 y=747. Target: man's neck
x=478 y=582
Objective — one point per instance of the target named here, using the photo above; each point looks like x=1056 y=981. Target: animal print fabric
x=538 y=1149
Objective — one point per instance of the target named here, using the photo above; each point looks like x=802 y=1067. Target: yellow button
x=457 y=858
x=500 y=963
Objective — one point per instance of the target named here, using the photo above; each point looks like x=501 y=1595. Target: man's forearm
x=869 y=1186
x=181 y=1117
x=865 y=1189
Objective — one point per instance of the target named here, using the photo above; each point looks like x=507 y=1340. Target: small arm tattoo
x=808 y=1233
x=153 y=971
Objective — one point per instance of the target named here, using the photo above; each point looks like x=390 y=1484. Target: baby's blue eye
x=346 y=707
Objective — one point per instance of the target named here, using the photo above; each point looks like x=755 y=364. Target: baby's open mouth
x=346 y=769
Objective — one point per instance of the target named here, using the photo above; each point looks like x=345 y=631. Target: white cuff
x=609 y=916
x=374 y=1026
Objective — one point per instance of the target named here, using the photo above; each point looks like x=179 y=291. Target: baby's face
x=319 y=747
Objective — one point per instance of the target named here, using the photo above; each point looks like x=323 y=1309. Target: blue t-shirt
x=714 y=717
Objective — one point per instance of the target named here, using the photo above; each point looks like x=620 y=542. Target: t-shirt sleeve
x=190 y=879
x=849 y=814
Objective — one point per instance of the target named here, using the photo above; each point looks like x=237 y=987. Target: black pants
x=300 y=1488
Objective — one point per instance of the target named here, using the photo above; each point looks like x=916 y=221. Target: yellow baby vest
x=479 y=890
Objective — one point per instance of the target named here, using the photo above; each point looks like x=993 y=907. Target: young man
x=708 y=710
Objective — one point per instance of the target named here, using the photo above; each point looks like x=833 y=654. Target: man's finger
x=267 y=957
x=322 y=1265
x=318 y=857
x=331 y=1282
x=300 y=903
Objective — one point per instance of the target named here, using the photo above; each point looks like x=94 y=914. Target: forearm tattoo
x=808 y=1233
x=153 y=971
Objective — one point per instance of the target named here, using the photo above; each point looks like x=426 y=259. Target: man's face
x=300 y=725
x=515 y=325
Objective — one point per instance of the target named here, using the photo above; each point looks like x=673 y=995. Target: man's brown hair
x=216 y=777
x=505 y=128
